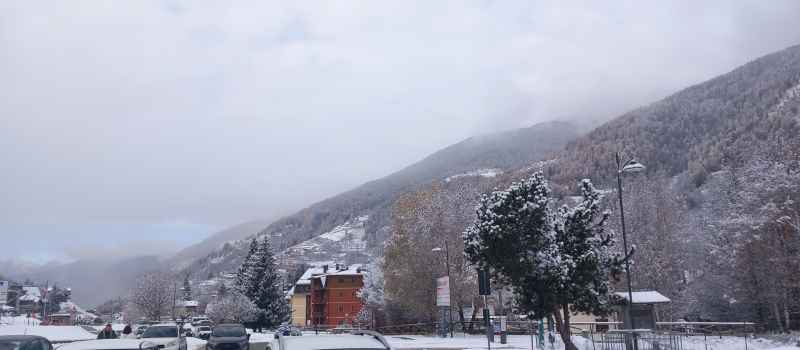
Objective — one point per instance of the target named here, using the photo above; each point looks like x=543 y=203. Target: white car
x=202 y=332
x=110 y=344
x=356 y=340
x=165 y=336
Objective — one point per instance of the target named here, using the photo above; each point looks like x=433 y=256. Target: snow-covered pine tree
x=268 y=294
x=557 y=262
x=245 y=276
x=222 y=290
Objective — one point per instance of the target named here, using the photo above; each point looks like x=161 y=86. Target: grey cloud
x=220 y=112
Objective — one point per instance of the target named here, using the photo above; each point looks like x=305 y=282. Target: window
x=341 y=280
x=341 y=294
x=341 y=308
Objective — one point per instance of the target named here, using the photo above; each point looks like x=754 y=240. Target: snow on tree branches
x=258 y=279
x=558 y=261
x=152 y=294
x=233 y=307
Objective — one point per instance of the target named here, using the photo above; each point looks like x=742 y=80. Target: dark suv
x=228 y=337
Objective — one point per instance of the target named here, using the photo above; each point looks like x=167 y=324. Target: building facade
x=334 y=296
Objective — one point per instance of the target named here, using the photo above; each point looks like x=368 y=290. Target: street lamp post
x=631 y=166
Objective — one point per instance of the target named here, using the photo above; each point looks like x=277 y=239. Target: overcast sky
x=146 y=125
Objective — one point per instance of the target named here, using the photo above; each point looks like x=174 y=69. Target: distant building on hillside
x=3 y=293
x=28 y=302
x=189 y=308
x=334 y=296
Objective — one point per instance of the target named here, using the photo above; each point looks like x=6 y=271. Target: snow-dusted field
x=52 y=333
x=524 y=342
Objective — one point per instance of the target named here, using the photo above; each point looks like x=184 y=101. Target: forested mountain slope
x=697 y=129
x=715 y=219
x=502 y=151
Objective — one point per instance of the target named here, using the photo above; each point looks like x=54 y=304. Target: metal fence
x=641 y=340
x=609 y=335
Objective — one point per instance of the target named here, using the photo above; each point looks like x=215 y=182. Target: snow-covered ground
x=336 y=245
x=480 y=172
x=54 y=334
x=18 y=320
x=524 y=342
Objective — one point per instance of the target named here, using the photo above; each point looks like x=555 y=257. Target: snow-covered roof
x=35 y=291
x=190 y=303
x=306 y=277
x=355 y=269
x=31 y=294
x=645 y=297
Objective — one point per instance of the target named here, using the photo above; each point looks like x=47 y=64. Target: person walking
x=107 y=333
x=127 y=332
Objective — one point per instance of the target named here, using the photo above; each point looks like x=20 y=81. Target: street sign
x=443 y=291
x=483 y=283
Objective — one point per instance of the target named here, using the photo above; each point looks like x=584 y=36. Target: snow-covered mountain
x=367 y=207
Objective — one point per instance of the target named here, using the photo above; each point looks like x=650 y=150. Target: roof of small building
x=31 y=294
x=189 y=303
x=310 y=272
x=644 y=297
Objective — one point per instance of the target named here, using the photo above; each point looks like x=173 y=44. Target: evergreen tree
x=558 y=262
x=258 y=279
x=222 y=291
x=269 y=296
x=246 y=275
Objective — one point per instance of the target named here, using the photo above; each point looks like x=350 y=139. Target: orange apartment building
x=334 y=296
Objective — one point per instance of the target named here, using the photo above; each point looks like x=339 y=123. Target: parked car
x=203 y=332
x=166 y=336
x=110 y=344
x=361 y=340
x=140 y=329
x=197 y=319
x=286 y=329
x=24 y=342
x=228 y=337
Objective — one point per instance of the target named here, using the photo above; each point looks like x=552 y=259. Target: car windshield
x=203 y=329
x=161 y=332
x=228 y=332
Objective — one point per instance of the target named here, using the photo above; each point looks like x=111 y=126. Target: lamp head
x=633 y=166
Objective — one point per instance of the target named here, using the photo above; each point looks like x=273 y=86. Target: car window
x=10 y=345
x=161 y=332
x=43 y=345
x=228 y=332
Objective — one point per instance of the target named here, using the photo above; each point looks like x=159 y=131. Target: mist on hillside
x=169 y=133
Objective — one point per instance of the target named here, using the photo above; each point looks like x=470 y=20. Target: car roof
x=336 y=341
x=20 y=337
x=103 y=344
x=164 y=325
x=239 y=325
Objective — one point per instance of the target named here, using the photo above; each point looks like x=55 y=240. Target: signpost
x=484 y=290
x=443 y=302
